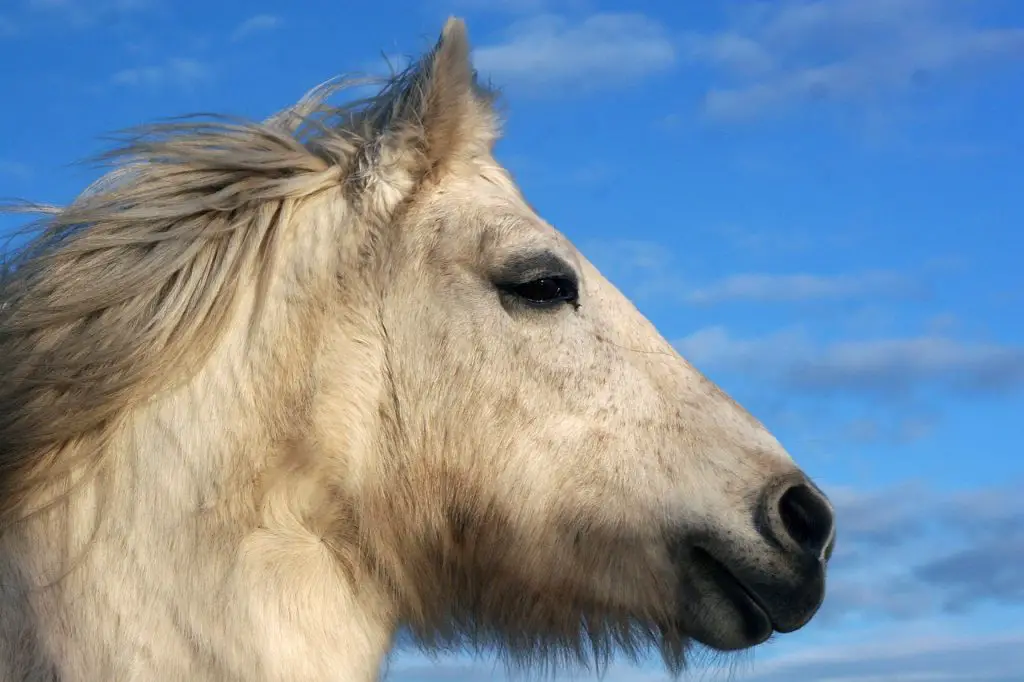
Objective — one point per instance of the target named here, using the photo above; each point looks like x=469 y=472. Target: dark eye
x=546 y=291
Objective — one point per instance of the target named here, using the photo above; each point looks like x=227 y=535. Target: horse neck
x=196 y=570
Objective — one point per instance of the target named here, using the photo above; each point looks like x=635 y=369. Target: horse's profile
x=271 y=393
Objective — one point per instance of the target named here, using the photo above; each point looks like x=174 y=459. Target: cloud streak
x=870 y=366
x=260 y=23
x=908 y=552
x=179 y=72
x=903 y=363
x=790 y=288
x=549 y=54
x=654 y=275
x=841 y=50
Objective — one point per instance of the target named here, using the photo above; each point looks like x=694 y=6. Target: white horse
x=274 y=392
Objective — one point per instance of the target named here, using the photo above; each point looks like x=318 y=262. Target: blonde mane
x=125 y=292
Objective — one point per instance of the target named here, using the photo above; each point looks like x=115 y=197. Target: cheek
x=610 y=385
x=552 y=409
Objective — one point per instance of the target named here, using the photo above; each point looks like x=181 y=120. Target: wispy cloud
x=548 y=53
x=909 y=552
x=788 y=288
x=872 y=366
x=259 y=23
x=902 y=364
x=179 y=72
x=895 y=430
x=842 y=50
x=657 y=275
x=779 y=239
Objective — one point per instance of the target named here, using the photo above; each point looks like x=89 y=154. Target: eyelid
x=526 y=278
x=539 y=266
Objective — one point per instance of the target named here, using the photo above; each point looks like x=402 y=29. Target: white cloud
x=903 y=363
x=634 y=255
x=179 y=72
x=800 y=287
x=779 y=238
x=880 y=366
x=631 y=263
x=842 y=50
x=256 y=24
x=657 y=276
x=915 y=552
x=550 y=53
x=716 y=348
x=897 y=431
x=732 y=51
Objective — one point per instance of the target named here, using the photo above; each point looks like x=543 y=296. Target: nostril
x=807 y=518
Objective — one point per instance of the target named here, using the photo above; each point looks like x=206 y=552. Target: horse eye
x=546 y=291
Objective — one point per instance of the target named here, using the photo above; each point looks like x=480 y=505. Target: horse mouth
x=757 y=624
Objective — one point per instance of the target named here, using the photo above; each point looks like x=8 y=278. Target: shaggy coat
x=272 y=392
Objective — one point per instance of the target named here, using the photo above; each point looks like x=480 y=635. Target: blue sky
x=819 y=202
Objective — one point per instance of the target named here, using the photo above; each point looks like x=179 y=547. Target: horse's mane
x=128 y=289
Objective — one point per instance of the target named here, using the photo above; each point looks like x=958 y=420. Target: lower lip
x=754 y=612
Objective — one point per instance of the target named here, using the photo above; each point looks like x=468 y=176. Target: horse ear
x=436 y=114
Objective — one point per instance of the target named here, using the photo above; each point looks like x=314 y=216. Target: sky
x=819 y=202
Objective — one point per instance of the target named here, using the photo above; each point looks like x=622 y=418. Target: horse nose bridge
x=718 y=430
x=733 y=429
x=710 y=398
